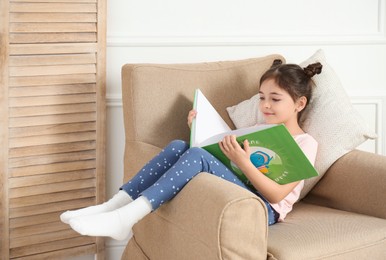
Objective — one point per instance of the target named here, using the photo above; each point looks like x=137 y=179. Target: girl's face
x=277 y=105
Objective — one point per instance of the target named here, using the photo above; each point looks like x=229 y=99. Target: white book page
x=238 y=132
x=208 y=122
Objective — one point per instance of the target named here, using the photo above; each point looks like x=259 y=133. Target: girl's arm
x=271 y=190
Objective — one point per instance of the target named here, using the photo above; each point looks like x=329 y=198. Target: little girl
x=285 y=90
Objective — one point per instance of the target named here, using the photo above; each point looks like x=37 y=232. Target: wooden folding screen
x=52 y=133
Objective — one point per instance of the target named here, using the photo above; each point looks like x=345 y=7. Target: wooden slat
x=52 y=148
x=47 y=189
x=30 y=60
x=51 y=207
x=52 y=27
x=59 y=48
x=54 y=1
x=52 y=197
x=51 y=70
x=34 y=220
x=52 y=37
x=51 y=90
x=42 y=238
x=52 y=168
x=17 y=7
x=52 y=80
x=52 y=246
x=52 y=129
x=64 y=253
x=52 y=139
x=45 y=130
x=53 y=17
x=52 y=110
x=50 y=178
x=51 y=158
x=51 y=120
x=38 y=229
x=51 y=100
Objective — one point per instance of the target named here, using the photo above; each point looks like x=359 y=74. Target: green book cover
x=273 y=150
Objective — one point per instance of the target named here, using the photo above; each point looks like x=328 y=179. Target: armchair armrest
x=356 y=183
x=209 y=219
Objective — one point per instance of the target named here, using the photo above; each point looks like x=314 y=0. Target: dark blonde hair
x=297 y=81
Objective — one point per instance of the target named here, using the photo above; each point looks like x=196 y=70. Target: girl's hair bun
x=276 y=63
x=312 y=69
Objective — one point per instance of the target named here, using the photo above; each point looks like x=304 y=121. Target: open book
x=273 y=150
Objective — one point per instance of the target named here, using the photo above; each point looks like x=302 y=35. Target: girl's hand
x=192 y=114
x=232 y=149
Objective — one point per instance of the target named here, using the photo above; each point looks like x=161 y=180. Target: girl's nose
x=266 y=104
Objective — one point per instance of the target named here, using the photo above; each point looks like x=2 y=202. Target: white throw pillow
x=330 y=118
x=246 y=113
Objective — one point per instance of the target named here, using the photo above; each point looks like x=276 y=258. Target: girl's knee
x=198 y=152
x=178 y=143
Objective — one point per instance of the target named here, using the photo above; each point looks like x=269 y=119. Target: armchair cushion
x=315 y=232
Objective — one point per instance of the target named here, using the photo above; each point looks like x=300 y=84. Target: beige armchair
x=343 y=217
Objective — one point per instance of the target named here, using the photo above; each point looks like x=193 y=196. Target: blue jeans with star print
x=167 y=173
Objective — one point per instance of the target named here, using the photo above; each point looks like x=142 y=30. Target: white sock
x=116 y=224
x=118 y=200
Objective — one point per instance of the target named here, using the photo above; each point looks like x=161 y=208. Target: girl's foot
x=118 y=200
x=116 y=224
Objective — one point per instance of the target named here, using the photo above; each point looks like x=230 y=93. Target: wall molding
x=378 y=103
x=115 y=100
x=122 y=40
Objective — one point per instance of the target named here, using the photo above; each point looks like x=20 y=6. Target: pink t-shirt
x=309 y=146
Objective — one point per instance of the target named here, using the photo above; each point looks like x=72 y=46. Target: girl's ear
x=301 y=103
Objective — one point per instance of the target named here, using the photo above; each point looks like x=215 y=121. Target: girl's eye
x=262 y=98
x=276 y=100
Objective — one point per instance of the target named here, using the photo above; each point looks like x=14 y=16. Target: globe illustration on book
x=265 y=160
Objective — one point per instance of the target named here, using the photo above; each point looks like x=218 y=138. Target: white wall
x=351 y=33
